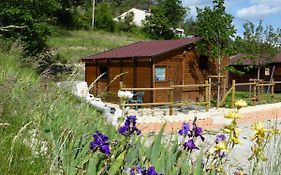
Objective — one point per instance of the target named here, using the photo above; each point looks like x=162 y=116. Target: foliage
x=126 y=24
x=104 y=18
x=166 y=15
x=215 y=26
x=34 y=19
x=259 y=44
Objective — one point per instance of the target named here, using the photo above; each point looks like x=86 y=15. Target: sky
x=244 y=10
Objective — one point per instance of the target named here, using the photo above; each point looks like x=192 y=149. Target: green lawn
x=74 y=45
x=264 y=98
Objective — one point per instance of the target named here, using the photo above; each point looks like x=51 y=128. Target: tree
x=35 y=19
x=259 y=44
x=104 y=18
x=215 y=26
x=166 y=15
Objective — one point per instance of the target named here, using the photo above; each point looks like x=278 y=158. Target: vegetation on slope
x=74 y=45
x=39 y=122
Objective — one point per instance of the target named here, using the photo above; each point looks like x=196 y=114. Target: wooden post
x=224 y=85
x=121 y=84
x=272 y=91
x=210 y=88
x=207 y=96
x=250 y=90
x=233 y=94
x=255 y=93
x=171 y=98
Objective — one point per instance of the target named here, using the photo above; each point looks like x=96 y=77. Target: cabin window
x=266 y=71
x=203 y=62
x=103 y=70
x=160 y=73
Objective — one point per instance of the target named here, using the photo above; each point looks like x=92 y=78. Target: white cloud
x=265 y=1
x=258 y=10
x=196 y=2
x=192 y=4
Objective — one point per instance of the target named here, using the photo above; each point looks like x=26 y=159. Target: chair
x=137 y=98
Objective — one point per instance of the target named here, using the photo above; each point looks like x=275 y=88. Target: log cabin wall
x=144 y=78
x=138 y=75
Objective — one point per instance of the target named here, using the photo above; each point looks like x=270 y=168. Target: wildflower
x=259 y=130
x=150 y=171
x=125 y=95
x=240 y=103
x=220 y=148
x=129 y=126
x=136 y=170
x=198 y=132
x=274 y=131
x=190 y=145
x=101 y=142
x=185 y=129
x=233 y=115
x=220 y=138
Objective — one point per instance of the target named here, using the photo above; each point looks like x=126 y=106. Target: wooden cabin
x=270 y=71
x=150 y=64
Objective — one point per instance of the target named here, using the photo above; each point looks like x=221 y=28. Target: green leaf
x=117 y=163
x=156 y=148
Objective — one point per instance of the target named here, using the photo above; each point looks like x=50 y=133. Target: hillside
x=40 y=122
x=73 y=45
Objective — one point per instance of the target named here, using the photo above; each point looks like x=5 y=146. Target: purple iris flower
x=220 y=138
x=129 y=126
x=101 y=142
x=135 y=170
x=190 y=145
x=198 y=132
x=185 y=130
x=150 y=171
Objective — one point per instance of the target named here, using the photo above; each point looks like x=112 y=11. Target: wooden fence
x=255 y=90
x=171 y=102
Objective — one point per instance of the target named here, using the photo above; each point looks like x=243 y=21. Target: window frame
x=165 y=73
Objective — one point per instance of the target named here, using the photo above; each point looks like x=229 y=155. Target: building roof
x=239 y=60
x=144 y=49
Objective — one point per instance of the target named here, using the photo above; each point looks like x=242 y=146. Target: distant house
x=151 y=64
x=268 y=71
x=139 y=16
x=179 y=32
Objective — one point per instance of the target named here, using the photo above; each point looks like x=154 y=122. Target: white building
x=139 y=16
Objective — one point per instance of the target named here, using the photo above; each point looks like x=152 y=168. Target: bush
x=104 y=18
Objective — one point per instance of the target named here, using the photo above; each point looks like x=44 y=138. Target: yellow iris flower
x=232 y=115
x=240 y=103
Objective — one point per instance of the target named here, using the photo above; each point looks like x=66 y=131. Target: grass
x=30 y=104
x=264 y=98
x=74 y=45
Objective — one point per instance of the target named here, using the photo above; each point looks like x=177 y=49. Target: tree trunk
x=271 y=77
x=259 y=73
x=219 y=82
x=93 y=15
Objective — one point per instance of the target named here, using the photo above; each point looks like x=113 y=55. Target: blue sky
x=267 y=10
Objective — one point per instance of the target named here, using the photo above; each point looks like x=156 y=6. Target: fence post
x=171 y=98
x=255 y=93
x=210 y=89
x=233 y=94
x=207 y=95
x=121 y=84
x=272 y=91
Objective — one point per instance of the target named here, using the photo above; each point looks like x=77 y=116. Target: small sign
x=266 y=71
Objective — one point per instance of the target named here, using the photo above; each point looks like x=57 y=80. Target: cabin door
x=177 y=77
